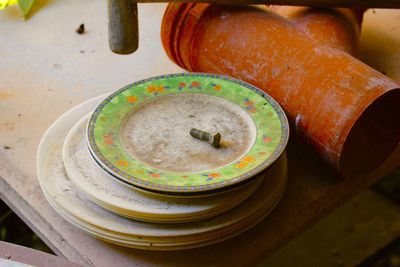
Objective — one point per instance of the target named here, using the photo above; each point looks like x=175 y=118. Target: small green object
x=212 y=139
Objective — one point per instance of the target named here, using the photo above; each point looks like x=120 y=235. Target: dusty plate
x=60 y=190
x=157 y=114
x=146 y=245
x=110 y=194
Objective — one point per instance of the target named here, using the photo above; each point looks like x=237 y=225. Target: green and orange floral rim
x=107 y=149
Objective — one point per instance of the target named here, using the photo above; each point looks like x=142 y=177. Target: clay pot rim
x=175 y=20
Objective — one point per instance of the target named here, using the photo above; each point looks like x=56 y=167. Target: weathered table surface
x=12 y=255
x=47 y=68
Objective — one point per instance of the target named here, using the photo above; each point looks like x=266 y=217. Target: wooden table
x=17 y=256
x=47 y=68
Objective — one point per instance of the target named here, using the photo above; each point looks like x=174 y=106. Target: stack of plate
x=125 y=169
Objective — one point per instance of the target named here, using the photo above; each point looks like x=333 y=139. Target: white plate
x=139 y=244
x=131 y=203
x=58 y=187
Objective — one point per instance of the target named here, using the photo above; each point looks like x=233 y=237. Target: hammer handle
x=123 y=26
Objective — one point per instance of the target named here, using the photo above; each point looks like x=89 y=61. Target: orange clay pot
x=343 y=109
x=337 y=28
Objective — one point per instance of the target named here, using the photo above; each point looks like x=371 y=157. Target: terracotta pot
x=338 y=28
x=340 y=107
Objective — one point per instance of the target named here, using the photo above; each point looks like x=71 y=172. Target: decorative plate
x=107 y=145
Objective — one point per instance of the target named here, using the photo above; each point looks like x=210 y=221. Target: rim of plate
x=136 y=181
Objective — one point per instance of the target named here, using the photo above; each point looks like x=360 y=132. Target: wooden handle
x=123 y=32
x=312 y=3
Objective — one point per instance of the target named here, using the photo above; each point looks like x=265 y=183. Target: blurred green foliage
x=14 y=230
x=24 y=5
